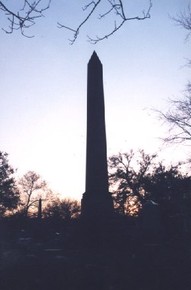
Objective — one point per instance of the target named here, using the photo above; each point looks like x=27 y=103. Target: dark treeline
x=135 y=179
x=138 y=179
x=45 y=244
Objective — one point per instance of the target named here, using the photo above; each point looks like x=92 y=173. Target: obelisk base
x=97 y=206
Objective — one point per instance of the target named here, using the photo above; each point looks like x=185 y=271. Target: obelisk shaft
x=96 y=202
x=96 y=152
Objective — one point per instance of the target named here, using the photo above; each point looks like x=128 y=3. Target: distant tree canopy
x=136 y=178
x=63 y=209
x=9 y=194
x=128 y=172
x=24 y=14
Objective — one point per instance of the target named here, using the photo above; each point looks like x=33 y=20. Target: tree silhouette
x=24 y=16
x=32 y=188
x=127 y=177
x=9 y=194
x=136 y=178
x=178 y=117
x=65 y=209
x=184 y=20
x=168 y=183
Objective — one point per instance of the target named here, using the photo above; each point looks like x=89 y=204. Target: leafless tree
x=24 y=16
x=184 y=20
x=178 y=117
x=32 y=188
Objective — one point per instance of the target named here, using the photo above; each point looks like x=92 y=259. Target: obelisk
x=96 y=201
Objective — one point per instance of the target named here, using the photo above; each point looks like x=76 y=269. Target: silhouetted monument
x=96 y=201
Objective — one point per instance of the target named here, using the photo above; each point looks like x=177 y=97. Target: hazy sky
x=43 y=89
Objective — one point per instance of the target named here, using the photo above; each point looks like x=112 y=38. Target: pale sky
x=43 y=89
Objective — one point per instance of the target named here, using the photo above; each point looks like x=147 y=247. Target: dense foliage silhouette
x=9 y=194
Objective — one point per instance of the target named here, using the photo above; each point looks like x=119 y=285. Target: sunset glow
x=43 y=92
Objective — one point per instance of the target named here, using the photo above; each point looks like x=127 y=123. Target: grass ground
x=74 y=264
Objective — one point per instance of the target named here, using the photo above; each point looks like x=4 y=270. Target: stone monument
x=97 y=201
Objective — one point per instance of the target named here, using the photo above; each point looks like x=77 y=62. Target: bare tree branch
x=77 y=30
x=117 y=7
x=184 y=20
x=25 y=17
x=178 y=117
x=119 y=10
